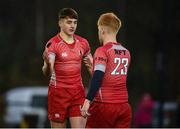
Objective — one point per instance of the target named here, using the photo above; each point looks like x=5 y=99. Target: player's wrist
x=87 y=101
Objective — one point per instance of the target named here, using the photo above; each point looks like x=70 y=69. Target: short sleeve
x=51 y=50
x=100 y=60
x=52 y=47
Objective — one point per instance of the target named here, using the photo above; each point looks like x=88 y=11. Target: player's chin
x=71 y=32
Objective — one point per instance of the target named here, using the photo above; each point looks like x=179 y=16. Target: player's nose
x=72 y=25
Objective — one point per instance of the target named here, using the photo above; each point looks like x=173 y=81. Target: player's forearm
x=95 y=84
x=46 y=69
x=51 y=68
x=88 y=60
x=90 y=71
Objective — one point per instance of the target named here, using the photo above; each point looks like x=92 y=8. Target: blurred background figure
x=144 y=113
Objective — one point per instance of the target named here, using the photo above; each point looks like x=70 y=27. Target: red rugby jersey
x=114 y=60
x=68 y=59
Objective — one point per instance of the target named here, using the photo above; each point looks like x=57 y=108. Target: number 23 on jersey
x=119 y=62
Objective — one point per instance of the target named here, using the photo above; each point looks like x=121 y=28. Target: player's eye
x=75 y=22
x=69 y=22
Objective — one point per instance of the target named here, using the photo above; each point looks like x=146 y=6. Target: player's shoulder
x=122 y=47
x=54 y=40
x=101 y=49
x=104 y=48
x=119 y=46
x=80 y=38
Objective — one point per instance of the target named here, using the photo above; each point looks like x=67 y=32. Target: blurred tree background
x=150 y=30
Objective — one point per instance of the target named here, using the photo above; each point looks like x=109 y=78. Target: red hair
x=111 y=21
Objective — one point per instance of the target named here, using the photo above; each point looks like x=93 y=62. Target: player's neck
x=67 y=38
x=109 y=38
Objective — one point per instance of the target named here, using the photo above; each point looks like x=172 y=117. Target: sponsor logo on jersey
x=100 y=59
x=57 y=115
x=64 y=54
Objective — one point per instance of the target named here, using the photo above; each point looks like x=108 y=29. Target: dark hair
x=67 y=12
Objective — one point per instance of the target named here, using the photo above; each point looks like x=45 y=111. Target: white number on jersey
x=119 y=61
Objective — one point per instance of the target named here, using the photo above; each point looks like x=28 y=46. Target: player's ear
x=59 y=22
x=103 y=30
x=99 y=28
